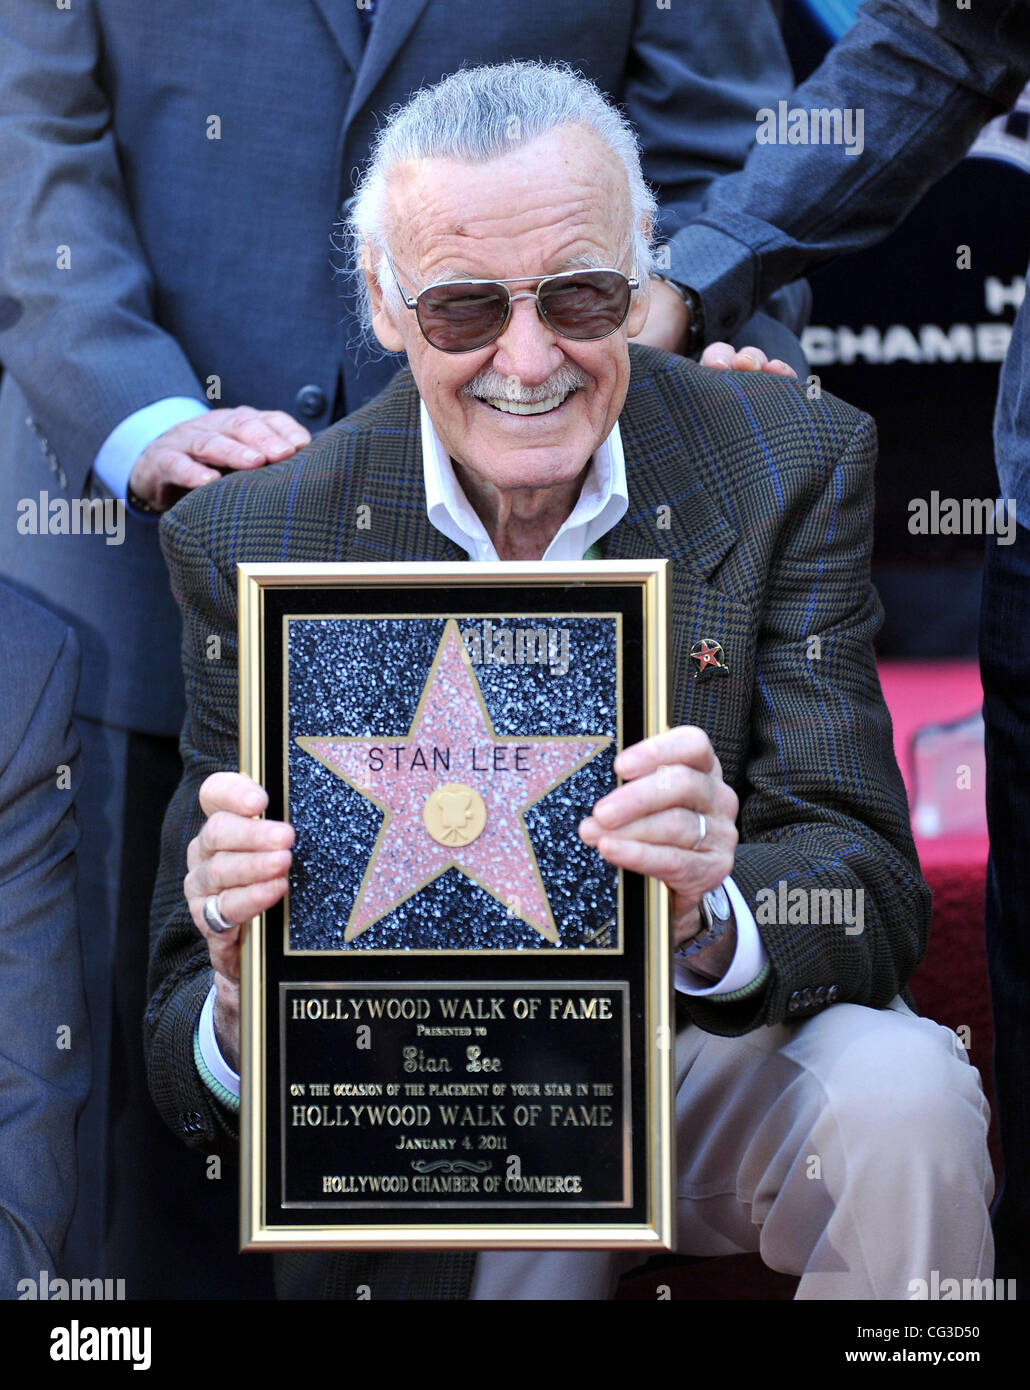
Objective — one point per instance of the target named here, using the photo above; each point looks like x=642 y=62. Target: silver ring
x=213 y=917
x=702 y=831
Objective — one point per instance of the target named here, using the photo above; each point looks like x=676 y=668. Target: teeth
x=521 y=408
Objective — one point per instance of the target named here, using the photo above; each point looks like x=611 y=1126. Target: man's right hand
x=243 y=861
x=191 y=453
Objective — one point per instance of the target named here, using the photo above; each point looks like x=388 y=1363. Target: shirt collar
x=603 y=500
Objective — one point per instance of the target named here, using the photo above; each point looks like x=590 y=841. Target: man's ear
x=641 y=302
x=638 y=308
x=383 y=323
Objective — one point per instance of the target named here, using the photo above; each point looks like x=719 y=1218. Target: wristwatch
x=137 y=503
x=717 y=914
x=695 y=340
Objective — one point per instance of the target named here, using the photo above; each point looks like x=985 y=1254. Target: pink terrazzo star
x=451 y=743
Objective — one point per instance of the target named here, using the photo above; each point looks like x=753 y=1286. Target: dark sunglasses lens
x=460 y=317
x=586 y=304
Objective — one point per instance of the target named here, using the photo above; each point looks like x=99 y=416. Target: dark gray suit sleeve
x=76 y=296
x=694 y=82
x=44 y=1036
x=180 y=972
x=927 y=76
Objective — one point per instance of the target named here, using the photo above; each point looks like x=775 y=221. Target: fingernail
x=755 y=364
x=300 y=440
x=626 y=764
x=252 y=455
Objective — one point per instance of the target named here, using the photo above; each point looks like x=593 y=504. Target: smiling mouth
x=524 y=408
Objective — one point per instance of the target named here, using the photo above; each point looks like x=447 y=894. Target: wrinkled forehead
x=560 y=199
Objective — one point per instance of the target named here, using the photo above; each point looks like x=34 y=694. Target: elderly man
x=503 y=230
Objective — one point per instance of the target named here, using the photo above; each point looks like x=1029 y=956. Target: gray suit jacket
x=192 y=162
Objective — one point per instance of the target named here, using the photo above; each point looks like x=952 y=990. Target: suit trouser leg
x=849 y=1149
x=98 y=811
x=1005 y=665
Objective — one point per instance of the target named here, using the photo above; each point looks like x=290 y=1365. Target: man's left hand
x=651 y=824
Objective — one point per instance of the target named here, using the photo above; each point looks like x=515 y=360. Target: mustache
x=489 y=383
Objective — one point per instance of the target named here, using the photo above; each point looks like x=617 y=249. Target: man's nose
x=528 y=347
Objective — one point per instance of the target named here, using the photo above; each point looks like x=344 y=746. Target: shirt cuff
x=722 y=270
x=215 y=1071
x=117 y=456
x=748 y=966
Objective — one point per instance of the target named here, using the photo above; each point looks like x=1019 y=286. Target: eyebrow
x=585 y=261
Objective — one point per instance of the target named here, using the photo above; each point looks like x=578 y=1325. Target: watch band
x=718 y=914
x=137 y=503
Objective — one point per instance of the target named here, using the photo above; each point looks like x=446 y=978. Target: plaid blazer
x=761 y=498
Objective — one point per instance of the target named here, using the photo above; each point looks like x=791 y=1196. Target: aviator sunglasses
x=462 y=315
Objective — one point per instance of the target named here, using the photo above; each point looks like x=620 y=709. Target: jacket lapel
x=393 y=480
x=341 y=19
x=673 y=515
x=394 y=21
x=672 y=510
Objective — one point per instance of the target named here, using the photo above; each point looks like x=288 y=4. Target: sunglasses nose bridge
x=509 y=309
x=541 y=311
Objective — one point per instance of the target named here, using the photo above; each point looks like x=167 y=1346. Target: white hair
x=479 y=114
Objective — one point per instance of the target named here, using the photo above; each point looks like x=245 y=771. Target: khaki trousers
x=849 y=1149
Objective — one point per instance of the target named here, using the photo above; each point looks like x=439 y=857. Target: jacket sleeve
x=926 y=75
x=823 y=806
x=180 y=974
x=694 y=81
x=45 y=1048
x=76 y=294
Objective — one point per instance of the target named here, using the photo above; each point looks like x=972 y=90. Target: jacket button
x=831 y=994
x=311 y=401
x=792 y=1003
x=820 y=994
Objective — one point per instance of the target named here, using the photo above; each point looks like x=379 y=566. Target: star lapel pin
x=710 y=659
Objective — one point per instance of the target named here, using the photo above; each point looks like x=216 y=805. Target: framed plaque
x=457 y=1026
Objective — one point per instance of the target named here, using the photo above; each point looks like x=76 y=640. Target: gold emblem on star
x=454 y=814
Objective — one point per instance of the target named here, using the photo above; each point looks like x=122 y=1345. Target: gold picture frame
x=515 y=1089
